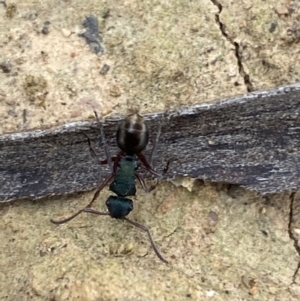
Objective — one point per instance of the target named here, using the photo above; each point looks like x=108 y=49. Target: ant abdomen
x=119 y=207
x=132 y=135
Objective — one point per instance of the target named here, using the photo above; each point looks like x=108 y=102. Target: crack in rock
x=291 y=226
x=236 y=45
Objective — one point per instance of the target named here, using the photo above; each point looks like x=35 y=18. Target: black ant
x=132 y=139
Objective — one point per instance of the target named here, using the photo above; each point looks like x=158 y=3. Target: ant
x=132 y=138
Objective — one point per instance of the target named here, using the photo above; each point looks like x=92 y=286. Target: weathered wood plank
x=252 y=140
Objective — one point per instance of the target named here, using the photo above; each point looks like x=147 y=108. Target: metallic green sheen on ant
x=132 y=138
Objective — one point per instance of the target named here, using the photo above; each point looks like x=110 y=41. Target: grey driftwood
x=252 y=140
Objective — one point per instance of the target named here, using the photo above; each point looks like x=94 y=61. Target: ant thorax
x=124 y=181
x=132 y=134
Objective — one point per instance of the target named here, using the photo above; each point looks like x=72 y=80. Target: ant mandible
x=132 y=139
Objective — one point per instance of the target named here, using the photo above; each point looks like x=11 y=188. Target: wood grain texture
x=252 y=140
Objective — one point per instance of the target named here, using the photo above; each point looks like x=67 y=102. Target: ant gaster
x=132 y=139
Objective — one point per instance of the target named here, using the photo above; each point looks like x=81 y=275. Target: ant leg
x=149 y=164
x=155 y=144
x=91 y=210
x=143 y=184
x=166 y=168
x=146 y=164
x=94 y=154
x=142 y=181
x=92 y=150
x=108 y=157
x=89 y=205
x=142 y=227
x=113 y=159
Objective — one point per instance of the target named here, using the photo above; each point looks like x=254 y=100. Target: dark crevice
x=292 y=236
x=236 y=45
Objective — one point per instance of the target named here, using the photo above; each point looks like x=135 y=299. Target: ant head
x=119 y=207
x=132 y=134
